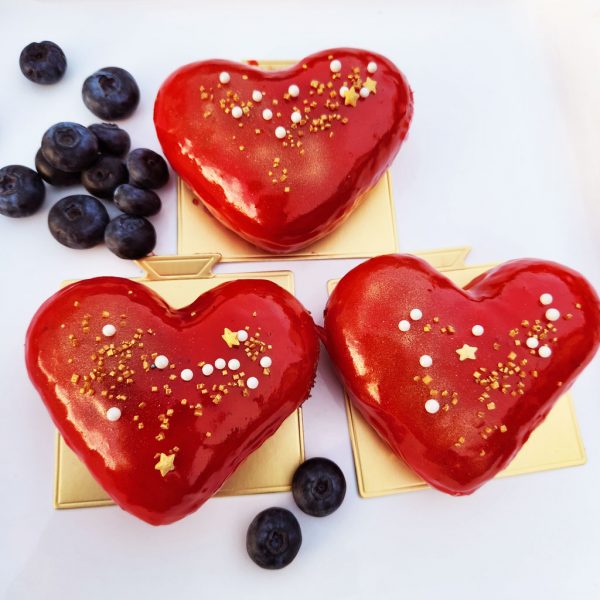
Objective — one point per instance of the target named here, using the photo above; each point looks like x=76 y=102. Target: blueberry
x=78 y=221
x=111 y=93
x=111 y=138
x=43 y=62
x=273 y=538
x=136 y=201
x=104 y=176
x=70 y=147
x=130 y=237
x=147 y=169
x=318 y=487
x=54 y=176
x=22 y=191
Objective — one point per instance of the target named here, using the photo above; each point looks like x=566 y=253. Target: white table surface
x=502 y=155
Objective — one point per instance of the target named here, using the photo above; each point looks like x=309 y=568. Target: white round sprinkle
x=242 y=335
x=372 y=67
x=280 y=132
x=236 y=112
x=532 y=343
x=207 y=369
x=552 y=314
x=234 y=364
x=294 y=90
x=545 y=351
x=252 y=383
x=364 y=92
x=109 y=330
x=267 y=114
x=546 y=299
x=416 y=314
x=113 y=413
x=266 y=362
x=161 y=362
x=335 y=65
x=426 y=361
x=404 y=325
x=257 y=96
x=187 y=374
x=296 y=116
x=220 y=363
x=343 y=90
x=224 y=77
x=432 y=406
x=477 y=330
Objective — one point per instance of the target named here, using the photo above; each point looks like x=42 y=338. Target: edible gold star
x=466 y=352
x=165 y=464
x=371 y=85
x=230 y=338
x=351 y=97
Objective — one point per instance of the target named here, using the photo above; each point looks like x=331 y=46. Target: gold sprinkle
x=491 y=405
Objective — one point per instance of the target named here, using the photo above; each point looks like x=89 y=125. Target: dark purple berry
x=70 y=147
x=54 y=176
x=22 y=191
x=318 y=487
x=147 y=169
x=43 y=62
x=111 y=138
x=104 y=176
x=111 y=93
x=130 y=237
x=78 y=221
x=136 y=201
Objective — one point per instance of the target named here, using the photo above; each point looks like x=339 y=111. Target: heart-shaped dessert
x=283 y=157
x=161 y=404
x=456 y=380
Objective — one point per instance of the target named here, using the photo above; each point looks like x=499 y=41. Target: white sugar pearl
x=294 y=90
x=187 y=374
x=296 y=116
x=404 y=325
x=335 y=66
x=234 y=364
x=546 y=299
x=207 y=369
x=242 y=335
x=220 y=363
x=267 y=114
x=256 y=96
x=432 y=406
x=280 y=132
x=545 y=351
x=372 y=67
x=477 y=330
x=109 y=330
x=236 y=112
x=552 y=314
x=532 y=342
x=161 y=362
x=224 y=77
x=266 y=362
x=252 y=383
x=113 y=413
x=416 y=314
x=343 y=90
x=425 y=361
x=364 y=92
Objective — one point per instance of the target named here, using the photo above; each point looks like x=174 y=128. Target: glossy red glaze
x=326 y=175
x=472 y=436
x=121 y=455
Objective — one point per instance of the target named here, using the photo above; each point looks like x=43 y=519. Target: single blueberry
x=147 y=169
x=43 y=62
x=54 y=176
x=111 y=93
x=22 y=191
x=78 y=221
x=111 y=138
x=131 y=237
x=104 y=176
x=318 y=487
x=70 y=147
x=136 y=201
x=274 y=538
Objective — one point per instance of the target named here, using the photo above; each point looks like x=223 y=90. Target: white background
x=503 y=155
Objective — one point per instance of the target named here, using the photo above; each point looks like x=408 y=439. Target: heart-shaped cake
x=283 y=157
x=456 y=380
x=161 y=404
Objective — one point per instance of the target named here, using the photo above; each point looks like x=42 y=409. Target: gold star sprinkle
x=165 y=464
x=371 y=85
x=466 y=352
x=351 y=97
x=230 y=338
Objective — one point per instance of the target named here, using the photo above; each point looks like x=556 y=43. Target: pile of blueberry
x=274 y=537
x=97 y=157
